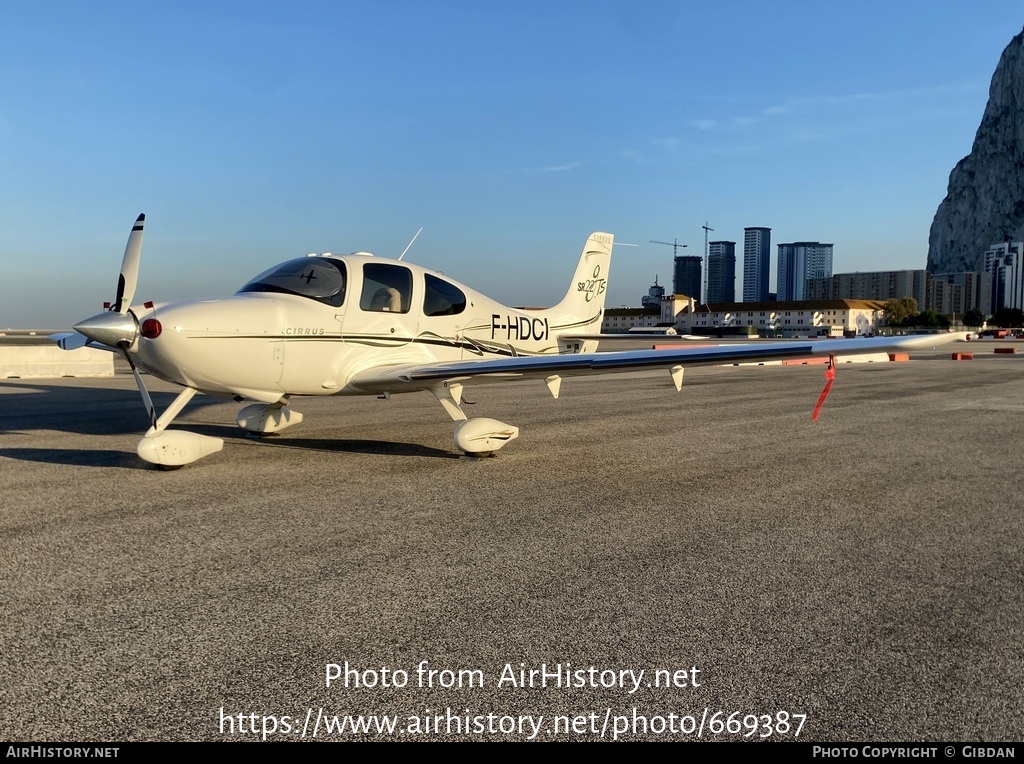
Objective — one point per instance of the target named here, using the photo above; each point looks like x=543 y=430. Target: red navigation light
x=151 y=328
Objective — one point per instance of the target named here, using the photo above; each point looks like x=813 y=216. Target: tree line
x=904 y=313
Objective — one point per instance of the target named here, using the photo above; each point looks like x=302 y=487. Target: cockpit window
x=386 y=288
x=442 y=298
x=319 y=278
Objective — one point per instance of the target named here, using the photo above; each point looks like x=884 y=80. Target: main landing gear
x=478 y=437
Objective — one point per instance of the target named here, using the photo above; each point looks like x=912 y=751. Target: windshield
x=319 y=278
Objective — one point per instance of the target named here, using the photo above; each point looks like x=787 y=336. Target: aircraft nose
x=110 y=328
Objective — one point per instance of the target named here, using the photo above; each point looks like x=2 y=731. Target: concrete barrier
x=35 y=361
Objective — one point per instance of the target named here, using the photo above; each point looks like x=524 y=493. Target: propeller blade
x=150 y=408
x=146 y=400
x=129 y=277
x=69 y=340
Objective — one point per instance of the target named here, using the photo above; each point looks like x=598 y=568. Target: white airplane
x=363 y=325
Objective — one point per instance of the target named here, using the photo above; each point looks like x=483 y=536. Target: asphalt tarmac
x=855 y=579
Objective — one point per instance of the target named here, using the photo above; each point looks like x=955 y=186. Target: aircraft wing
x=424 y=376
x=75 y=340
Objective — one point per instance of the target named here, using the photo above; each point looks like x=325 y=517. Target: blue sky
x=253 y=132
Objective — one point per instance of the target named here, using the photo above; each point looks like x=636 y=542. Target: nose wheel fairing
x=176 y=448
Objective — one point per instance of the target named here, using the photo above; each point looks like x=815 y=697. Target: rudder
x=586 y=295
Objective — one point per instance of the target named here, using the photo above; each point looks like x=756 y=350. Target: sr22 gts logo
x=592 y=287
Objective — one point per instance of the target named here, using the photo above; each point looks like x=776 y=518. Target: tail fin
x=583 y=305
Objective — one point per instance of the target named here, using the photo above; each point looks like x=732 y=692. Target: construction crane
x=674 y=244
x=706 y=229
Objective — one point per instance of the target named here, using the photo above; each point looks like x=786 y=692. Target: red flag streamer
x=830 y=375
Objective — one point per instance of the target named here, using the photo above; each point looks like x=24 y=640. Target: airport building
x=757 y=263
x=721 y=271
x=622 y=320
x=654 y=295
x=800 y=261
x=794 y=318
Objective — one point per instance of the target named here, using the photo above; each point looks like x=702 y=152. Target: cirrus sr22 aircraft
x=363 y=325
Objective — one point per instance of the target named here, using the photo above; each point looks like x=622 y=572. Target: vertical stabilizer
x=583 y=305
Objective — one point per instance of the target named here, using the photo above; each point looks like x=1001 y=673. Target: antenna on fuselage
x=410 y=243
